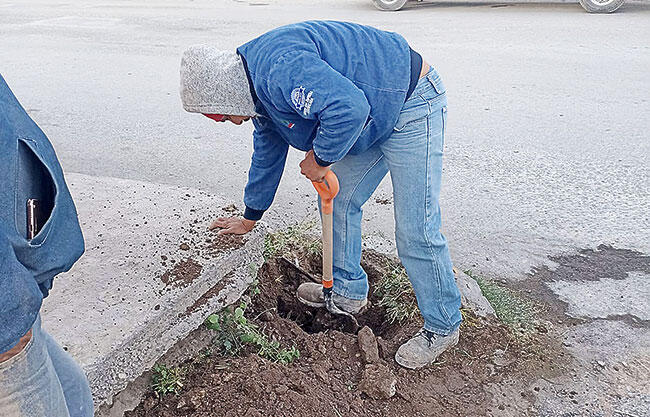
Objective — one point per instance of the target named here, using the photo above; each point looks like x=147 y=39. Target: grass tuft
x=290 y=239
x=516 y=312
x=396 y=295
x=167 y=380
x=235 y=331
x=470 y=320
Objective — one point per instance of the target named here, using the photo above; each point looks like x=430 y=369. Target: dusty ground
x=492 y=371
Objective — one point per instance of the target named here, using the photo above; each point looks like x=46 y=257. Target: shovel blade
x=349 y=318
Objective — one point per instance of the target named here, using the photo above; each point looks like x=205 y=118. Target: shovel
x=327 y=191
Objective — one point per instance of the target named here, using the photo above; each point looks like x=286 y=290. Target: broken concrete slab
x=128 y=399
x=151 y=274
x=471 y=296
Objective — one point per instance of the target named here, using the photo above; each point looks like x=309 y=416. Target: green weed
x=254 y=289
x=252 y=269
x=291 y=238
x=235 y=331
x=396 y=295
x=516 y=312
x=167 y=380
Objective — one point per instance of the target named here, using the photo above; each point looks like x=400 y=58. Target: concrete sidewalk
x=151 y=274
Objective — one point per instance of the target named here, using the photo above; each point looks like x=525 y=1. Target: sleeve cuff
x=321 y=162
x=252 y=214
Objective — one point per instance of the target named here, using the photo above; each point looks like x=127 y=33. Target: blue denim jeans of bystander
x=43 y=381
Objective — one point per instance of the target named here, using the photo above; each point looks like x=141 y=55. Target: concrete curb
x=151 y=274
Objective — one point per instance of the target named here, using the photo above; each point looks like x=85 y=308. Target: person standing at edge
x=37 y=377
x=358 y=100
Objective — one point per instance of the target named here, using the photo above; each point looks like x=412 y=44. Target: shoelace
x=429 y=336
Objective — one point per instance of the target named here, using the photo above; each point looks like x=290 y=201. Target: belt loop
x=435 y=81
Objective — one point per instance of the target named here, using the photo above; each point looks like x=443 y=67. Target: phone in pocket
x=32 y=218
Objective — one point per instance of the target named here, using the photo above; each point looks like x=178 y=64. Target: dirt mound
x=331 y=377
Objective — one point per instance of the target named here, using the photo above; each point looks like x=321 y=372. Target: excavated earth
x=491 y=371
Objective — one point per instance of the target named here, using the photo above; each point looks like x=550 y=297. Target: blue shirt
x=333 y=87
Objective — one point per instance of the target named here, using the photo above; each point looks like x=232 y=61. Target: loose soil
x=489 y=372
x=182 y=274
x=224 y=243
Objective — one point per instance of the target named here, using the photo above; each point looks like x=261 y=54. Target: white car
x=592 y=6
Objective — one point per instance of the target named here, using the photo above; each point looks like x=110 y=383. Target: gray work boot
x=424 y=348
x=311 y=294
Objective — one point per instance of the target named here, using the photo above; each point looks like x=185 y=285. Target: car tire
x=389 y=5
x=602 y=6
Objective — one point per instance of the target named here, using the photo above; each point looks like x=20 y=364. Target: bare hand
x=233 y=225
x=310 y=168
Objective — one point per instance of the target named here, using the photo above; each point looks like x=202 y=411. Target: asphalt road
x=547 y=144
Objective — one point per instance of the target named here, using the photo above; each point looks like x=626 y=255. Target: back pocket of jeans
x=410 y=115
x=34 y=180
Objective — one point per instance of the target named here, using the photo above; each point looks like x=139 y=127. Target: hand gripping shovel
x=327 y=191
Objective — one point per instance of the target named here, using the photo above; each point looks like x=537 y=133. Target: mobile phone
x=32 y=218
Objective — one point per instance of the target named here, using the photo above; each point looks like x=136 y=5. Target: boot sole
x=313 y=304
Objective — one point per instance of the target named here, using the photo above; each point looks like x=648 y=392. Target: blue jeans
x=413 y=156
x=43 y=381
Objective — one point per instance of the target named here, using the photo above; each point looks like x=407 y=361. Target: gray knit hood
x=215 y=82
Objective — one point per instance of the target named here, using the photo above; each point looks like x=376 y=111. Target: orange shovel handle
x=327 y=191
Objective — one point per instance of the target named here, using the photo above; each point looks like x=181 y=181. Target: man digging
x=358 y=101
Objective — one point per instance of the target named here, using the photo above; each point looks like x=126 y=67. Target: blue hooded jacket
x=29 y=169
x=333 y=87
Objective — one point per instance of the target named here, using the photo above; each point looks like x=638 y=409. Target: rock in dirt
x=384 y=348
x=281 y=389
x=500 y=359
x=251 y=412
x=320 y=372
x=378 y=382
x=368 y=345
x=471 y=296
x=184 y=246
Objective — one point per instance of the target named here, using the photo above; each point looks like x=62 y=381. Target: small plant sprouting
x=167 y=380
x=255 y=287
x=235 y=331
x=252 y=269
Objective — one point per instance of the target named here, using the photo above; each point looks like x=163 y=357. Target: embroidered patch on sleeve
x=298 y=97
x=301 y=101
